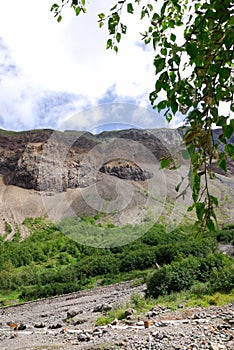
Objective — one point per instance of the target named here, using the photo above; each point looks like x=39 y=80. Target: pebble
x=198 y=329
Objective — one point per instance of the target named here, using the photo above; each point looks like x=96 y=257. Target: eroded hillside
x=62 y=174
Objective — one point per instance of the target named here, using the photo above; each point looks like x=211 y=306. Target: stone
x=77 y=320
x=115 y=322
x=55 y=326
x=217 y=347
x=22 y=327
x=129 y=312
x=102 y=307
x=83 y=337
x=39 y=325
x=148 y=323
x=72 y=313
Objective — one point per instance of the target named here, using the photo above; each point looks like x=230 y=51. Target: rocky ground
x=68 y=322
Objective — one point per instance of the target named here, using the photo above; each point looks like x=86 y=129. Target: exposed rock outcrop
x=53 y=161
x=81 y=173
x=125 y=170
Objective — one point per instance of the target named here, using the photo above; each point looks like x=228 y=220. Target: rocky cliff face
x=43 y=160
x=48 y=160
x=117 y=172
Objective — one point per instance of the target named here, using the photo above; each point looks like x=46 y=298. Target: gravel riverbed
x=44 y=324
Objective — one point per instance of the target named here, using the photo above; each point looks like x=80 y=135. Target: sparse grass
x=9 y=297
x=190 y=300
x=138 y=302
x=8 y=228
x=142 y=304
x=118 y=312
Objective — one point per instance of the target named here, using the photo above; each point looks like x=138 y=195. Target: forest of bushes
x=49 y=263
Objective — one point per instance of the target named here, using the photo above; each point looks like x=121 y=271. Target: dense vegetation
x=49 y=263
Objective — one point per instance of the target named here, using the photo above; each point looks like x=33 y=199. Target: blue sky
x=51 y=72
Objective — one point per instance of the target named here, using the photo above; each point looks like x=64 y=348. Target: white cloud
x=53 y=70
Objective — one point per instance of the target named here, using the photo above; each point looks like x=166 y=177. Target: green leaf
x=171 y=23
x=116 y=48
x=144 y=12
x=83 y=2
x=153 y=96
x=54 y=7
x=191 y=49
x=101 y=15
x=78 y=10
x=168 y=117
x=228 y=130
x=164 y=51
x=118 y=37
x=228 y=41
x=147 y=41
x=177 y=59
x=229 y=149
x=200 y=210
x=196 y=179
x=222 y=138
x=214 y=200
x=163 y=8
x=113 y=8
x=232 y=123
x=109 y=43
x=224 y=73
x=130 y=8
x=162 y=105
x=159 y=64
x=173 y=37
x=174 y=105
x=150 y=7
x=59 y=18
x=210 y=225
x=101 y=24
x=222 y=164
x=123 y=28
x=190 y=208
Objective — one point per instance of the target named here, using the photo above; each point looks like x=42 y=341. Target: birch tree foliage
x=194 y=75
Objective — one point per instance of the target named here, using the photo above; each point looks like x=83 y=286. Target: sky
x=51 y=72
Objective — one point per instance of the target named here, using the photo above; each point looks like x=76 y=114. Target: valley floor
x=68 y=322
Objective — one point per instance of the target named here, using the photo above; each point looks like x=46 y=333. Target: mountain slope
x=72 y=173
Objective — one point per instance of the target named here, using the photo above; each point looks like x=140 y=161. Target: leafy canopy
x=193 y=73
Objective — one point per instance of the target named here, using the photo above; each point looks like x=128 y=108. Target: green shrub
x=8 y=228
x=190 y=273
x=222 y=280
x=208 y=263
x=199 y=289
x=177 y=276
x=39 y=291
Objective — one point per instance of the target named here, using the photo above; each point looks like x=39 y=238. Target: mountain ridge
x=45 y=166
